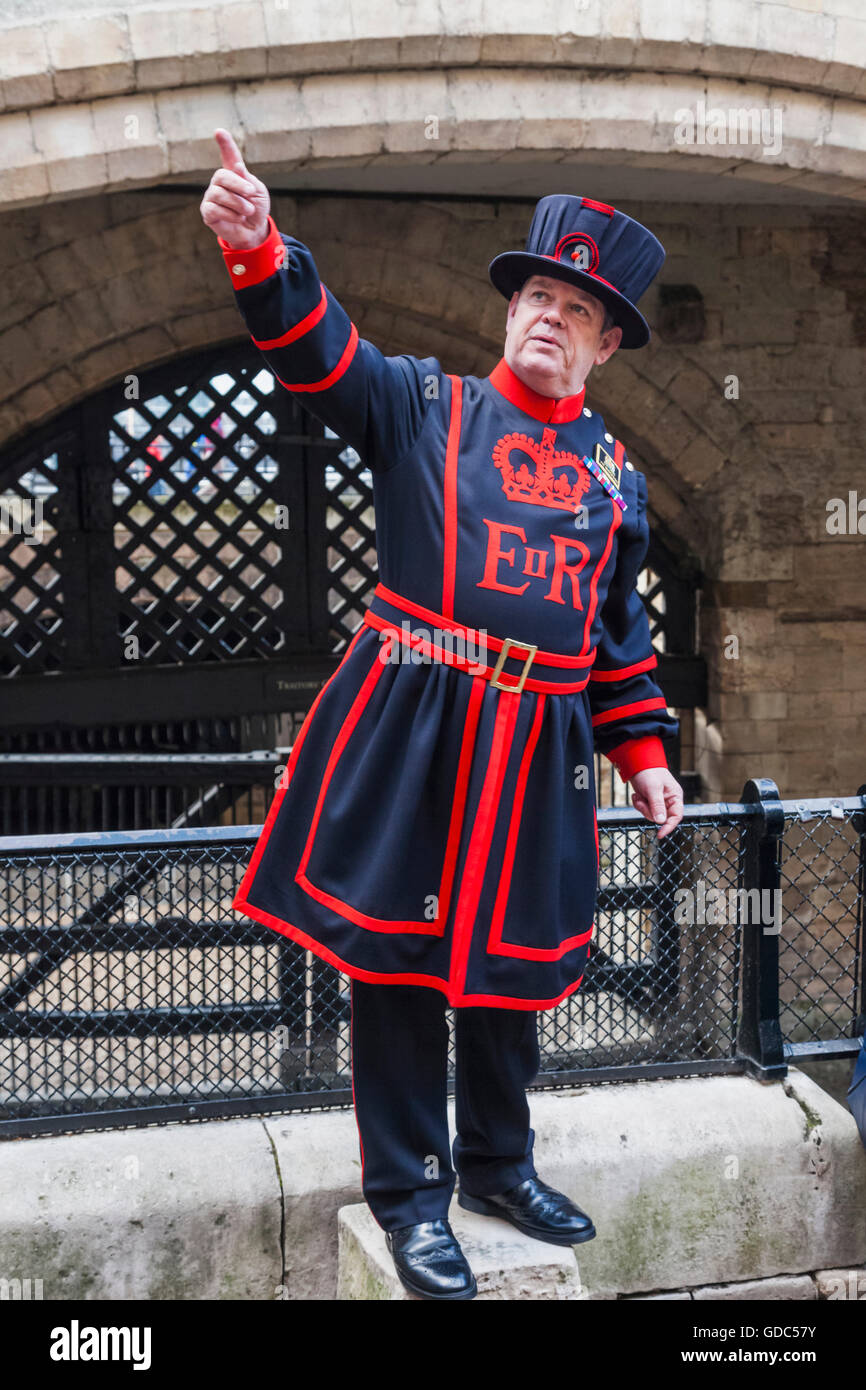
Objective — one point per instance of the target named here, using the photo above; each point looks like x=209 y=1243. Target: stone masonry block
x=506 y=1264
x=795 y=1286
x=25 y=77
x=92 y=59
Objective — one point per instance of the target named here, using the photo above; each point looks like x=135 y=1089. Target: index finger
x=674 y=806
x=229 y=152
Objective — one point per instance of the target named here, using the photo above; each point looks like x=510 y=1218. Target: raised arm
x=377 y=404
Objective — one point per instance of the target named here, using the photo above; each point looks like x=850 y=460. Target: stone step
x=506 y=1264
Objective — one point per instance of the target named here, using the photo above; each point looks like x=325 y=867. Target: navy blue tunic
x=434 y=827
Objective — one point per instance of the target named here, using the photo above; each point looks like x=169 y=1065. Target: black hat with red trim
x=592 y=245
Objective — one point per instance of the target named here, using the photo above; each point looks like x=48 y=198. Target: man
x=435 y=837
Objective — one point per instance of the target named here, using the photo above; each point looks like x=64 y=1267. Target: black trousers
x=399 y=1037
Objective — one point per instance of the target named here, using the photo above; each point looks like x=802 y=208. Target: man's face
x=553 y=335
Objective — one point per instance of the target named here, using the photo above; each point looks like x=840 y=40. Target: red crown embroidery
x=560 y=478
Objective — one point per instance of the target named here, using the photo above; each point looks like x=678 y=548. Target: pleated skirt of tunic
x=434 y=829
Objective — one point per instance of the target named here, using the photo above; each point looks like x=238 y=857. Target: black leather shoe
x=535 y=1209
x=429 y=1261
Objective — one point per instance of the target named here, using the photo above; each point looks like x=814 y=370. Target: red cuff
x=637 y=754
x=252 y=266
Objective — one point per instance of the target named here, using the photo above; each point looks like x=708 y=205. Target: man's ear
x=608 y=345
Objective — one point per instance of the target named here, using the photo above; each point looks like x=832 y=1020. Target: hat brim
x=509 y=271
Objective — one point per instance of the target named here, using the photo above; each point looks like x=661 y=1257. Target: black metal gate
x=182 y=547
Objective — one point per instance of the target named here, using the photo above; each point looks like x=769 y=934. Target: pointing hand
x=236 y=204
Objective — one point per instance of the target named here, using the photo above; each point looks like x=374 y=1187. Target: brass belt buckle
x=507 y=644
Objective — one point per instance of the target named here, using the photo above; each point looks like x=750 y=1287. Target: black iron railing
x=60 y=793
x=56 y=793
x=132 y=993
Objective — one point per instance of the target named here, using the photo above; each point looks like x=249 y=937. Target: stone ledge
x=61 y=55
x=819 y=1285
x=312 y=126
x=506 y=1264
x=693 y=1183
x=790 y=1286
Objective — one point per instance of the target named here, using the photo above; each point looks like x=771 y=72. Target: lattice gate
x=186 y=553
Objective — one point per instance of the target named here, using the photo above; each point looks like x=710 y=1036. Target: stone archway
x=373 y=96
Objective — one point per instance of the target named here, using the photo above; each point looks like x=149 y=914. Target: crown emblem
x=560 y=478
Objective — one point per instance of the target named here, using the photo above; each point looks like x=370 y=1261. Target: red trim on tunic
x=621 y=673
x=464 y=663
x=549 y=409
x=452 y=451
x=461 y=788
x=300 y=328
x=243 y=906
x=257 y=263
x=478 y=851
x=472 y=634
x=449 y=864
x=333 y=376
x=615 y=523
x=638 y=754
x=500 y=1001
x=495 y=944
x=621 y=711
x=285 y=780
x=361 y=919
x=494 y=1001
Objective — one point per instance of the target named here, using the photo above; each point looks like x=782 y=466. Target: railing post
x=759 y=1037
x=858 y=821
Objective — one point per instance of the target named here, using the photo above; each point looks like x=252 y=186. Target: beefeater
x=435 y=836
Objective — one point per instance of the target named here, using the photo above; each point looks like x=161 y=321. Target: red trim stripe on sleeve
x=623 y=711
x=621 y=673
x=309 y=321
x=333 y=376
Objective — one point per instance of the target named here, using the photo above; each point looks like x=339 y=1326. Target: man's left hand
x=657 y=794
